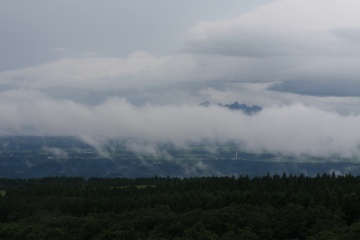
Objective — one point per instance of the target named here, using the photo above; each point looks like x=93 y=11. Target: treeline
x=268 y=207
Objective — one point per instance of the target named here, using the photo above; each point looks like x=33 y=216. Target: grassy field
x=2 y=193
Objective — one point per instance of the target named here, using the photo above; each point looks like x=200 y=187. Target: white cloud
x=293 y=130
x=287 y=27
x=57 y=152
x=311 y=42
x=138 y=70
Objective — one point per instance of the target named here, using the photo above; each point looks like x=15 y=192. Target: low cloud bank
x=289 y=130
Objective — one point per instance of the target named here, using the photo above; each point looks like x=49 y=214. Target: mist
x=289 y=130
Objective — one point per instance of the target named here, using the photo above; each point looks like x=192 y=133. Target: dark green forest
x=268 y=207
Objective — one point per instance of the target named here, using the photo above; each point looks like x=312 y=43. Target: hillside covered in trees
x=41 y=156
x=268 y=207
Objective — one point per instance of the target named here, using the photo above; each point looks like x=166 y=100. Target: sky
x=141 y=68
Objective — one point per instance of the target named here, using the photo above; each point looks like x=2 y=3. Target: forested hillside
x=37 y=157
x=268 y=207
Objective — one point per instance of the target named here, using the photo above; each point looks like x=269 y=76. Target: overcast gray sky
x=68 y=66
x=35 y=32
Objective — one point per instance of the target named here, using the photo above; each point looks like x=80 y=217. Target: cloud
x=289 y=27
x=320 y=87
x=296 y=58
x=310 y=42
x=290 y=130
x=92 y=72
x=56 y=152
x=92 y=79
x=60 y=50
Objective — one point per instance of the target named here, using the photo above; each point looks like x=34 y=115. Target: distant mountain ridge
x=249 y=110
